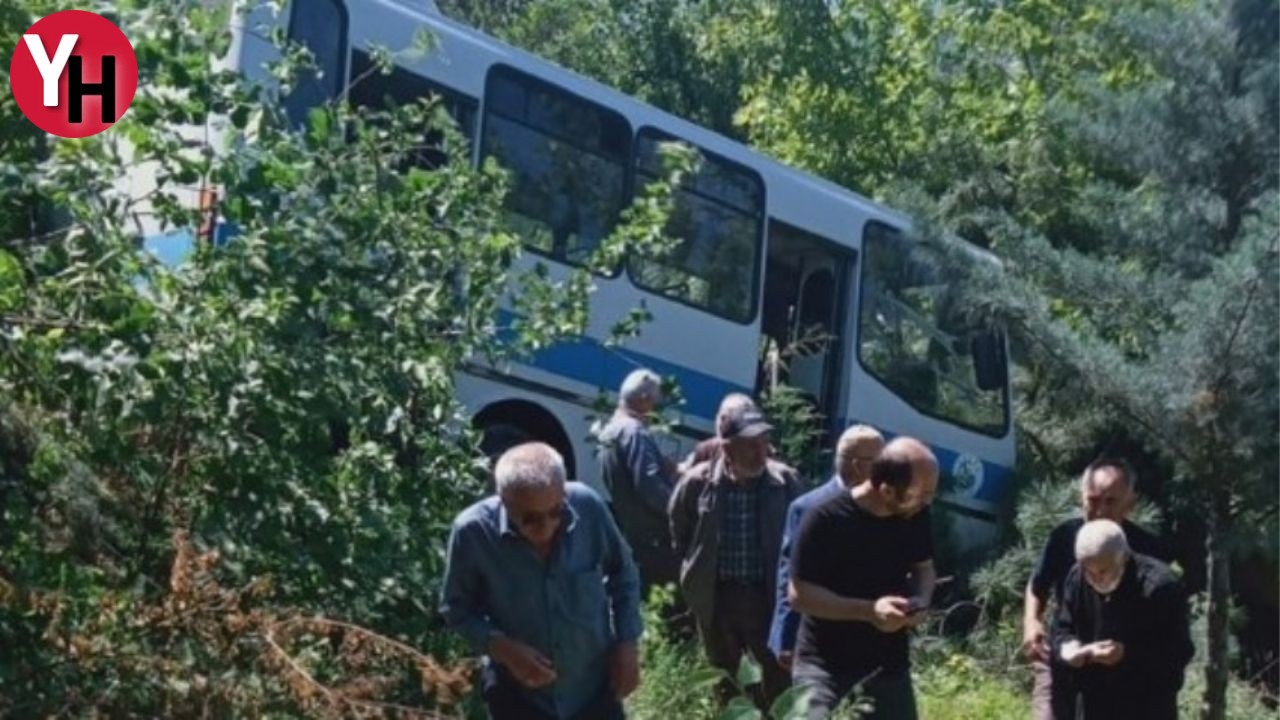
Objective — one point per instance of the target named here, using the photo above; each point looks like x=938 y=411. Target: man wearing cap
x=709 y=449
x=1121 y=629
x=727 y=517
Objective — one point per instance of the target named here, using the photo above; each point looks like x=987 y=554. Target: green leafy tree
x=1172 y=320
x=286 y=399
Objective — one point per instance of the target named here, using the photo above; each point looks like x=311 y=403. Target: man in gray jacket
x=639 y=479
x=727 y=517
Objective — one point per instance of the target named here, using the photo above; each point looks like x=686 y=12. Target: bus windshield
x=911 y=340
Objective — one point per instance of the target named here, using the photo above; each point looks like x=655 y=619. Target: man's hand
x=529 y=667
x=1034 y=643
x=624 y=669
x=784 y=659
x=1107 y=652
x=890 y=613
x=1075 y=654
x=917 y=611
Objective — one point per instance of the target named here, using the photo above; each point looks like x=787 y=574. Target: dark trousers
x=740 y=625
x=890 y=693
x=511 y=703
x=506 y=701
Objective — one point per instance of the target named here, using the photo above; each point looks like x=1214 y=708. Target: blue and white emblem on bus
x=966 y=475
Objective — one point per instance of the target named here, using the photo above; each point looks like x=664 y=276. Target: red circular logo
x=73 y=74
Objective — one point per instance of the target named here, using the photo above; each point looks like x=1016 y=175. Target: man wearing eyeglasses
x=539 y=581
x=855 y=452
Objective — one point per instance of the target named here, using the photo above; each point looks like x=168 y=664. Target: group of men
x=544 y=579
x=1120 y=640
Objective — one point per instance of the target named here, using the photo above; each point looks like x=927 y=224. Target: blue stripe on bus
x=588 y=361
x=583 y=359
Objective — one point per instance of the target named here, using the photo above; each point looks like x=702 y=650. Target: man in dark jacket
x=639 y=479
x=1122 y=629
x=709 y=449
x=727 y=517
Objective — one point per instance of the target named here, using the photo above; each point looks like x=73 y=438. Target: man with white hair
x=1122 y=629
x=856 y=450
x=1107 y=492
x=639 y=479
x=539 y=581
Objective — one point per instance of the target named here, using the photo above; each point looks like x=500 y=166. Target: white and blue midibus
x=766 y=254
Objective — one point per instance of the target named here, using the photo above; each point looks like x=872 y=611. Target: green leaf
x=11 y=281
x=318 y=125
x=706 y=678
x=749 y=672
x=740 y=708
x=792 y=704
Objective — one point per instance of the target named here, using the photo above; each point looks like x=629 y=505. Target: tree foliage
x=286 y=399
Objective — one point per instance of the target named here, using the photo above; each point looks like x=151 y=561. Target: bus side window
x=718 y=220
x=910 y=338
x=370 y=88
x=567 y=157
x=321 y=27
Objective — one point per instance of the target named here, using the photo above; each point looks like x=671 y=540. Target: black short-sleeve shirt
x=856 y=554
x=1060 y=554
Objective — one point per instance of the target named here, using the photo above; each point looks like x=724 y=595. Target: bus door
x=802 y=325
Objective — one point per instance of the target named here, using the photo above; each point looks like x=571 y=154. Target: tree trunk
x=1216 y=670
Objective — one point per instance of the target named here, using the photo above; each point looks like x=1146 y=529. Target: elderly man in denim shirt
x=855 y=451
x=539 y=580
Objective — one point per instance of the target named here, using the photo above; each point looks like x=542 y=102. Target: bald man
x=862 y=575
x=1121 y=629
x=857 y=449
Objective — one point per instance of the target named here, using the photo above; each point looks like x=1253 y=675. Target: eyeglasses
x=534 y=518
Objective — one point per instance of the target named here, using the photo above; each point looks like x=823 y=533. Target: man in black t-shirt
x=1106 y=493
x=862 y=575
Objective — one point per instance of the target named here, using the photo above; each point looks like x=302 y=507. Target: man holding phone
x=862 y=575
x=1121 y=629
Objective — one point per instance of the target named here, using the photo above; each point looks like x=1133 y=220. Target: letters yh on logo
x=53 y=71
x=77 y=88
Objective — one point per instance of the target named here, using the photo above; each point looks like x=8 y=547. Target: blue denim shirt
x=573 y=608
x=786 y=622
